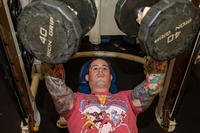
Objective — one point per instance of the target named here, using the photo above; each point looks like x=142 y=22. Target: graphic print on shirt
x=103 y=118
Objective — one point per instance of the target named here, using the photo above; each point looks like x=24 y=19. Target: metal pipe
x=34 y=83
x=186 y=72
x=94 y=33
x=126 y=56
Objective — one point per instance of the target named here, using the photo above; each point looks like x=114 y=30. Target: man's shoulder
x=124 y=92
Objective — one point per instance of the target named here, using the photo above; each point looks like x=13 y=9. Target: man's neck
x=100 y=90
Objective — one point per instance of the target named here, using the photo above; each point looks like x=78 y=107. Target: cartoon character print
x=103 y=118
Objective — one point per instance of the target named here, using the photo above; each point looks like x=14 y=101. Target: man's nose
x=100 y=70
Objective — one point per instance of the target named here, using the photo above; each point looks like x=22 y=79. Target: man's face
x=99 y=76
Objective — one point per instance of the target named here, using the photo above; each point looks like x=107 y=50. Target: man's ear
x=86 y=77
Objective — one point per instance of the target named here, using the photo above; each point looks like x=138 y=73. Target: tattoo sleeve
x=62 y=95
x=144 y=93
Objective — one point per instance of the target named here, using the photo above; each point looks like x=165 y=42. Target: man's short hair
x=102 y=58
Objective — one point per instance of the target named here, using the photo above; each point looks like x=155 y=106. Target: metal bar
x=126 y=56
x=161 y=113
x=14 y=56
x=34 y=83
x=194 y=50
x=36 y=77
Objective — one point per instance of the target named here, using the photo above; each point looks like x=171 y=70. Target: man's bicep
x=137 y=104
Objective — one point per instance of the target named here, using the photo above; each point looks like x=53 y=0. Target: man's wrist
x=154 y=66
x=53 y=70
x=154 y=83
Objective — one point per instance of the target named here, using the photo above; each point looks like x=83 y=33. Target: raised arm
x=62 y=95
x=144 y=93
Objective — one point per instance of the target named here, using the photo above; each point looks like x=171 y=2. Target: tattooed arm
x=144 y=93
x=62 y=95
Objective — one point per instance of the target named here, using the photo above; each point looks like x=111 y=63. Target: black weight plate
x=49 y=30
x=196 y=3
x=169 y=27
x=126 y=13
x=86 y=12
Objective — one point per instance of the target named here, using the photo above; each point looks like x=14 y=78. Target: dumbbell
x=51 y=29
x=167 y=29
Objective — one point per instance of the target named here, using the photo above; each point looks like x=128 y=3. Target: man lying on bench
x=98 y=108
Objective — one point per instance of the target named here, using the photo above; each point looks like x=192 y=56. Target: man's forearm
x=145 y=92
x=62 y=95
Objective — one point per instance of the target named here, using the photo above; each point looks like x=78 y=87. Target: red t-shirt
x=103 y=113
